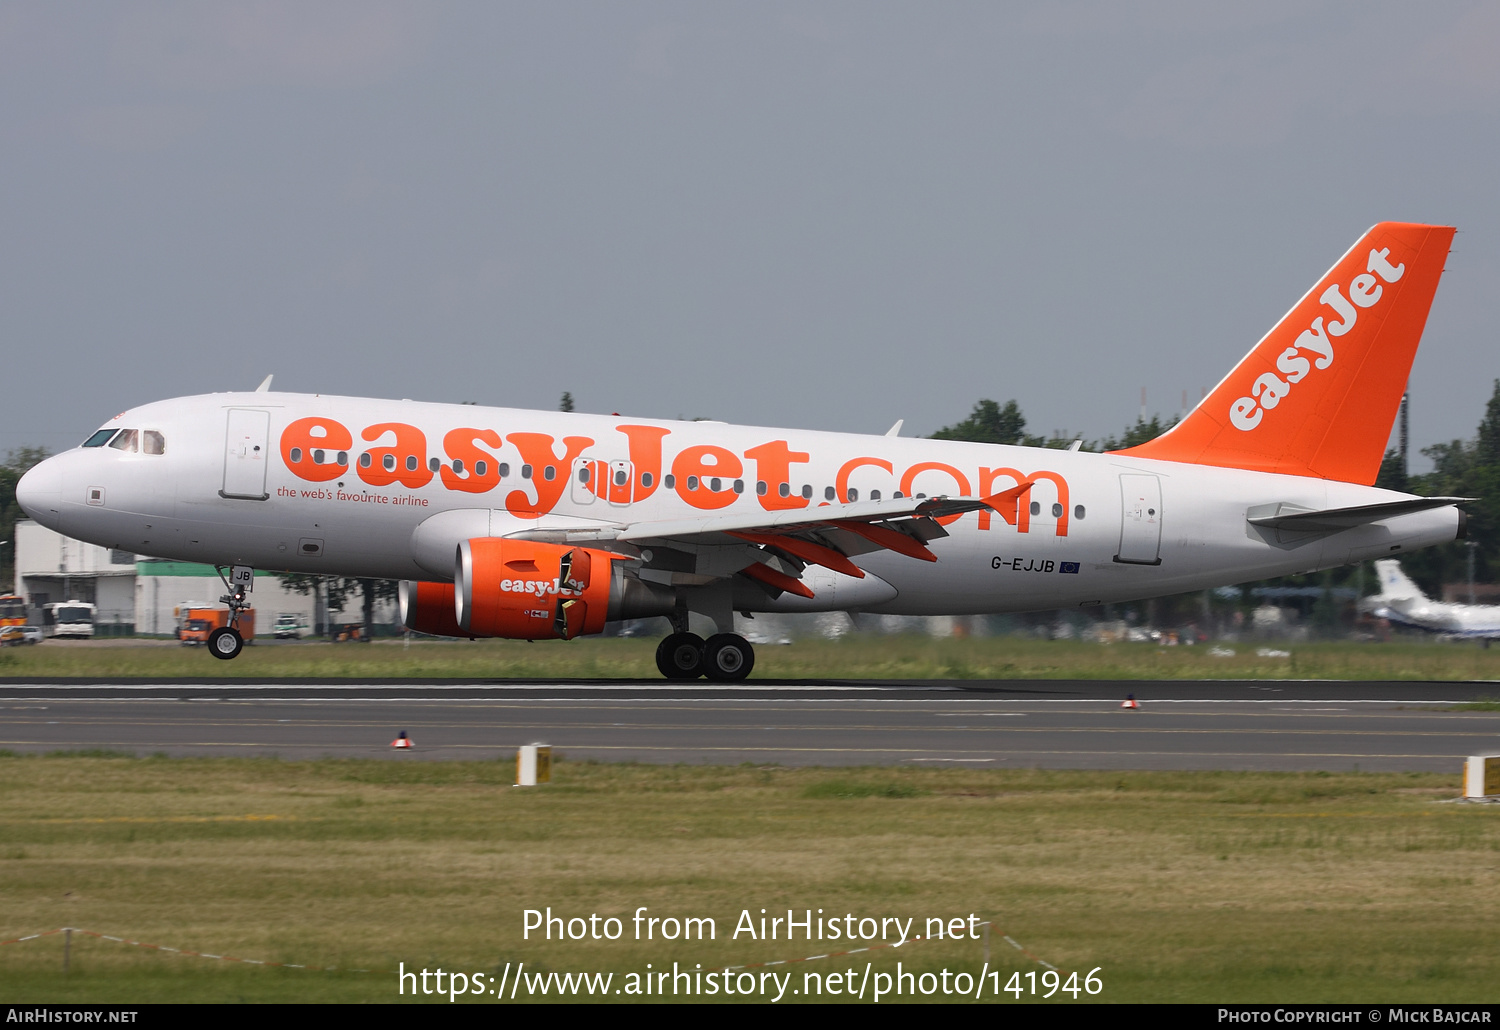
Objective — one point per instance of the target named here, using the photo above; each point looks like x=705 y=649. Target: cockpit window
x=100 y=438
x=128 y=440
x=153 y=442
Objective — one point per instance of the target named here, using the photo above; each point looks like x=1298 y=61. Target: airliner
x=541 y=524
x=1402 y=601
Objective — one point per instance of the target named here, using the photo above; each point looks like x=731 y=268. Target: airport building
x=133 y=594
x=51 y=567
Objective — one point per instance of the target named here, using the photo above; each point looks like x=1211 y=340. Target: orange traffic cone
x=1129 y=702
x=402 y=740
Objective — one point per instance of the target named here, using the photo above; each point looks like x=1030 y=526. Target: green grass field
x=855 y=657
x=1180 y=886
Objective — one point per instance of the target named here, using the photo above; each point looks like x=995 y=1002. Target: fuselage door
x=1140 y=526
x=585 y=474
x=245 y=454
x=621 y=481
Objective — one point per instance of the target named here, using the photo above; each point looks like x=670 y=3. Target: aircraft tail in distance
x=1317 y=396
x=1395 y=585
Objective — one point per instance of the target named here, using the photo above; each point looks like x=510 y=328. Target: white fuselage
x=1445 y=617
x=210 y=496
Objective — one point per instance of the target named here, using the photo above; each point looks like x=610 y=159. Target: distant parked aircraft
x=1402 y=601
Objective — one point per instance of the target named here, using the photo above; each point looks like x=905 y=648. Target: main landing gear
x=726 y=657
x=226 y=642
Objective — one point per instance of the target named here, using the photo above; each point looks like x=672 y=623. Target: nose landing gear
x=226 y=642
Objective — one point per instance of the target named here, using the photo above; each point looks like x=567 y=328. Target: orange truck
x=12 y=610
x=198 y=623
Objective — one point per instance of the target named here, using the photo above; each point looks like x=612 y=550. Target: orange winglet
x=887 y=538
x=807 y=551
x=1318 y=394
x=780 y=581
x=1008 y=502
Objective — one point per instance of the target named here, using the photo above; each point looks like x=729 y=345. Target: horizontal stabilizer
x=1289 y=517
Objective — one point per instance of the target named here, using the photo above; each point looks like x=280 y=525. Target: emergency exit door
x=1140 y=524
x=247 y=439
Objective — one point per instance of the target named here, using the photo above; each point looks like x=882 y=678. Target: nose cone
x=40 y=494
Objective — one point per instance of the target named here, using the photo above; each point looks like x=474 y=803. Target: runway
x=1266 y=725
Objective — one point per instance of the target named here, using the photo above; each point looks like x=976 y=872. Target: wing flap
x=828 y=535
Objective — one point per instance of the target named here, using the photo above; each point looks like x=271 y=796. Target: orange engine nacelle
x=530 y=591
x=428 y=608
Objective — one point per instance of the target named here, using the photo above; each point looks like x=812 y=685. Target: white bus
x=70 y=618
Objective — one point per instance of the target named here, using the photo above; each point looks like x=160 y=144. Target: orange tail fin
x=1318 y=394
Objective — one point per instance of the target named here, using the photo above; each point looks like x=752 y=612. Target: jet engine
x=528 y=590
x=428 y=608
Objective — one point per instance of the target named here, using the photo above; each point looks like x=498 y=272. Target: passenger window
x=828 y=493
x=1036 y=507
x=343 y=458
x=128 y=440
x=853 y=494
x=100 y=438
x=785 y=489
x=760 y=488
x=646 y=480
x=389 y=462
x=458 y=466
x=897 y=495
x=669 y=481
x=549 y=473
x=692 y=482
x=434 y=464
x=716 y=484
x=583 y=474
x=153 y=442
x=622 y=477
x=318 y=457
x=1057 y=511
x=296 y=455
x=1078 y=512
x=739 y=486
x=504 y=469
x=411 y=463
x=364 y=460
x=525 y=471
x=807 y=491
x=874 y=495
x=480 y=468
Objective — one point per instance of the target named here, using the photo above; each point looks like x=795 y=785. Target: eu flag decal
x=1067 y=566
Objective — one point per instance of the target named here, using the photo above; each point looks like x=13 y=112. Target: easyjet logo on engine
x=539 y=587
x=1314 y=348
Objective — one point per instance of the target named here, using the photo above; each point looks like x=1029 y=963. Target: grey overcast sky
x=828 y=215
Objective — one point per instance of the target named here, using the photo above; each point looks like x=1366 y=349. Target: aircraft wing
x=774 y=547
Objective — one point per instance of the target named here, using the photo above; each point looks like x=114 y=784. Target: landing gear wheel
x=225 y=642
x=680 y=656
x=728 y=657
